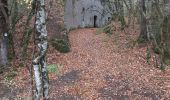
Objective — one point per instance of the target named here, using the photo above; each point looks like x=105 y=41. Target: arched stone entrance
x=95 y=21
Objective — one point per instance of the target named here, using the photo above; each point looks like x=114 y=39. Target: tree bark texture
x=143 y=21
x=3 y=33
x=39 y=62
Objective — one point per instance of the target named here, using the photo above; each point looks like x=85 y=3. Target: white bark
x=3 y=33
x=39 y=63
x=3 y=50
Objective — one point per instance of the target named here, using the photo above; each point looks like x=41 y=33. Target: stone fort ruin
x=87 y=13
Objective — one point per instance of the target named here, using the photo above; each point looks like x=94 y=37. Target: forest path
x=102 y=67
x=98 y=67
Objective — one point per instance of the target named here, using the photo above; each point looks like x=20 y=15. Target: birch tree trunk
x=3 y=33
x=39 y=62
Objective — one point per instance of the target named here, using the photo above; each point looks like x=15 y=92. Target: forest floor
x=99 y=67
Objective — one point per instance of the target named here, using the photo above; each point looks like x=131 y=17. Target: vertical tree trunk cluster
x=154 y=24
x=3 y=33
x=39 y=62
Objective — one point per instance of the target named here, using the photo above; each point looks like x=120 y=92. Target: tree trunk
x=13 y=6
x=39 y=62
x=143 y=21
x=3 y=33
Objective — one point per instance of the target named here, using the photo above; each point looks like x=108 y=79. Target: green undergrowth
x=54 y=68
x=61 y=45
x=131 y=44
x=108 y=30
x=10 y=75
x=99 y=30
x=166 y=55
x=141 y=40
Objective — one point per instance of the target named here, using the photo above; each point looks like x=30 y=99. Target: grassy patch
x=54 y=68
x=10 y=75
x=99 y=31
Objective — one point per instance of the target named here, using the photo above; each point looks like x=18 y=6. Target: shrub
x=61 y=45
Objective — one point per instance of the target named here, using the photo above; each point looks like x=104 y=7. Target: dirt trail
x=102 y=67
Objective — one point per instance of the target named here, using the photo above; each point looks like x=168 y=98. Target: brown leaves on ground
x=102 y=67
x=109 y=68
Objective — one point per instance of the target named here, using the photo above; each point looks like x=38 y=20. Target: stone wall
x=86 y=13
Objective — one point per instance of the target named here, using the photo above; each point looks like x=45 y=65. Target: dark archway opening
x=95 y=21
x=109 y=18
